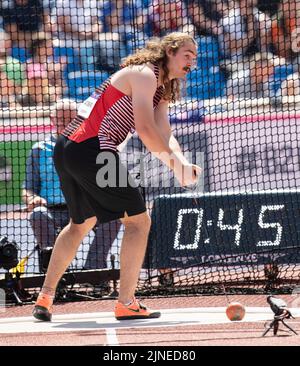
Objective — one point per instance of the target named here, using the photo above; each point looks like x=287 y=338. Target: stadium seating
x=281 y=72
x=82 y=83
x=207 y=47
x=73 y=59
x=206 y=81
x=19 y=53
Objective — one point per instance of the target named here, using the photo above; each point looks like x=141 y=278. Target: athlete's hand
x=188 y=175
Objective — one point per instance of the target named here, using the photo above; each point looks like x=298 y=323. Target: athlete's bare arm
x=140 y=83
x=143 y=86
x=162 y=121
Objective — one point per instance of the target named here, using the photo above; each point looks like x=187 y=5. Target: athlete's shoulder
x=144 y=72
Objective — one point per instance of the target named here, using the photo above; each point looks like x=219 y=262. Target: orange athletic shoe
x=135 y=310
x=43 y=308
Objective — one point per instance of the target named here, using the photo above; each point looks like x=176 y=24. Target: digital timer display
x=201 y=229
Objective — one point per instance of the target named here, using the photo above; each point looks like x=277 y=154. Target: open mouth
x=187 y=69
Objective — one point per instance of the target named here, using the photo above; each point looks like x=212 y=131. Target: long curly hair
x=155 y=51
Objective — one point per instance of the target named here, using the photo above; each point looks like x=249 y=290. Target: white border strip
x=111 y=336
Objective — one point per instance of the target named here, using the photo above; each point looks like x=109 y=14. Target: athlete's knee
x=82 y=229
x=141 y=222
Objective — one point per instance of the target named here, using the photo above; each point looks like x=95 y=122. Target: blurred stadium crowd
x=51 y=49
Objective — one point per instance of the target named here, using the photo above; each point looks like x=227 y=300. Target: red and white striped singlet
x=111 y=118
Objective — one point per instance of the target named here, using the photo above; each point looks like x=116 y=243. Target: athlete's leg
x=64 y=251
x=132 y=253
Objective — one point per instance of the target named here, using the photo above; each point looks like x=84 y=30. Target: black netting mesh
x=238 y=119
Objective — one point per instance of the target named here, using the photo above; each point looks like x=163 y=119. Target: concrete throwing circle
x=106 y=320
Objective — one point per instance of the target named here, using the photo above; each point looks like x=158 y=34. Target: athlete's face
x=181 y=62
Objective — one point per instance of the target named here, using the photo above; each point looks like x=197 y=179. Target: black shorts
x=85 y=191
